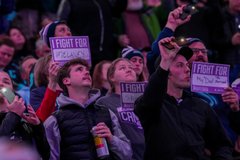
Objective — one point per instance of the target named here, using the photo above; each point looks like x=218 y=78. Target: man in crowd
x=6 y=51
x=69 y=129
x=176 y=124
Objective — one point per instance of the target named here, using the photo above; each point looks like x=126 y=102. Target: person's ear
x=111 y=78
x=66 y=81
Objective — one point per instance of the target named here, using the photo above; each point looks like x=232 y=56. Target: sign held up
x=209 y=77
x=130 y=92
x=67 y=48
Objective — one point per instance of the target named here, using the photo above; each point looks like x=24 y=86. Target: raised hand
x=53 y=71
x=17 y=106
x=167 y=56
x=174 y=18
x=231 y=97
x=31 y=116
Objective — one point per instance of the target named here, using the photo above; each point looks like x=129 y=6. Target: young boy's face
x=180 y=73
x=62 y=30
x=79 y=76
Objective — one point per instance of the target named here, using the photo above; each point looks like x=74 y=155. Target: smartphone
x=189 y=9
x=8 y=94
x=168 y=45
x=180 y=42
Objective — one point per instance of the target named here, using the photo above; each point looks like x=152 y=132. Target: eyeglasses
x=198 y=50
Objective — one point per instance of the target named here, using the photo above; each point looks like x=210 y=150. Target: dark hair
x=41 y=71
x=5 y=40
x=21 y=69
x=64 y=71
x=17 y=28
x=97 y=74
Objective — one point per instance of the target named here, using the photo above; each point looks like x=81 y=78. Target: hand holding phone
x=168 y=45
x=189 y=9
x=180 y=42
x=17 y=106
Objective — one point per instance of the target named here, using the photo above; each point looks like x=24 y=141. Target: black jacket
x=12 y=126
x=93 y=18
x=179 y=130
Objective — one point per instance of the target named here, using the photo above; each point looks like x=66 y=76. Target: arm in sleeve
x=36 y=97
x=216 y=138
x=47 y=106
x=41 y=140
x=119 y=144
x=9 y=123
x=152 y=56
x=147 y=107
x=53 y=137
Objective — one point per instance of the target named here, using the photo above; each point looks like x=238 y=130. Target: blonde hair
x=111 y=71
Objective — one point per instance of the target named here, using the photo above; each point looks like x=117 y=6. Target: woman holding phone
x=15 y=124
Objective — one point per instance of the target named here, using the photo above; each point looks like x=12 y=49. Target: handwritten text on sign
x=67 y=48
x=209 y=77
x=130 y=92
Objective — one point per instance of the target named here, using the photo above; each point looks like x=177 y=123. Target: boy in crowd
x=69 y=129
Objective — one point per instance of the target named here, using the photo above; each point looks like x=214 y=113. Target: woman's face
x=17 y=37
x=138 y=64
x=124 y=72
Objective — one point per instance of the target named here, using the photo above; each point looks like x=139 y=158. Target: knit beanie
x=49 y=31
x=130 y=52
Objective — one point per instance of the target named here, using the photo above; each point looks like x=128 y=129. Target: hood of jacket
x=63 y=100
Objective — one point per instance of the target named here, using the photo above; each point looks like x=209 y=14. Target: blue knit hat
x=49 y=31
x=130 y=52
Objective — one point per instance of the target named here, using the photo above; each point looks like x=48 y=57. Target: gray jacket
x=119 y=144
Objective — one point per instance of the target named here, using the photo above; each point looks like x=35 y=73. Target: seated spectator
x=21 y=50
x=42 y=48
x=100 y=77
x=43 y=98
x=121 y=70
x=78 y=114
x=136 y=57
x=26 y=66
x=12 y=125
x=6 y=51
x=176 y=124
x=54 y=29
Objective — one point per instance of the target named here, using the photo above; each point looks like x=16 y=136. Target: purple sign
x=236 y=87
x=130 y=92
x=209 y=77
x=128 y=116
x=67 y=48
